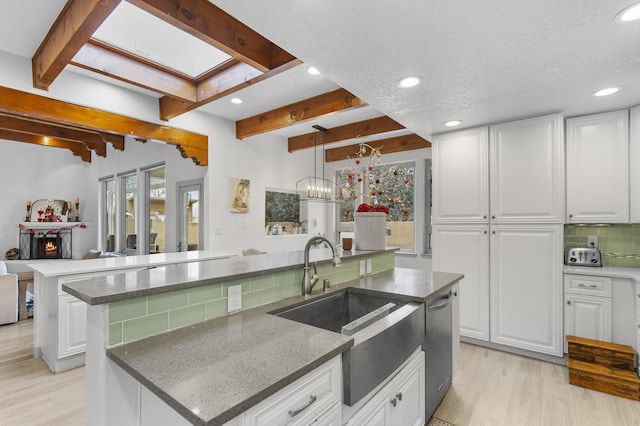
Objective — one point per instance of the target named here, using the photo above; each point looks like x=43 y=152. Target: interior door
x=190 y=215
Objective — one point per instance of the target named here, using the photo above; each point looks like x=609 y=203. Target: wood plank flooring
x=495 y=388
x=30 y=394
x=491 y=388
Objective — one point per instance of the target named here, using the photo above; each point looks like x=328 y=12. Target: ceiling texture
x=480 y=62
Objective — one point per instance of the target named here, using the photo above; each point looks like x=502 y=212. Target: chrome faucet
x=309 y=281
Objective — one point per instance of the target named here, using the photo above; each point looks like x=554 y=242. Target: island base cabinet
x=401 y=402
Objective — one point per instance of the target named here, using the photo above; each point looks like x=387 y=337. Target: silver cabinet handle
x=394 y=402
x=439 y=305
x=568 y=302
x=294 y=413
x=399 y=396
x=589 y=286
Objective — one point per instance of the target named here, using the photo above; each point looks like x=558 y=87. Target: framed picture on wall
x=239 y=194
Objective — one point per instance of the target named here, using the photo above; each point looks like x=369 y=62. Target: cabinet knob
x=568 y=302
x=399 y=396
x=570 y=216
x=394 y=402
x=493 y=232
x=493 y=217
x=484 y=217
x=486 y=233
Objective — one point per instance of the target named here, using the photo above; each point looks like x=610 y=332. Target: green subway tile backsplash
x=618 y=243
x=138 y=318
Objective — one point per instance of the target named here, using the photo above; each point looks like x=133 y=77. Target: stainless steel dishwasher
x=438 y=349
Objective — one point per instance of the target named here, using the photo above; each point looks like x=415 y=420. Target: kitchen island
x=60 y=319
x=219 y=365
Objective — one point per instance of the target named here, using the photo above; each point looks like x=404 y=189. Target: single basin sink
x=385 y=330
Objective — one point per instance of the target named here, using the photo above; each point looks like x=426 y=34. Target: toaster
x=583 y=256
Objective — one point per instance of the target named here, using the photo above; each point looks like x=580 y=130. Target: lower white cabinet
x=587 y=307
x=72 y=325
x=400 y=402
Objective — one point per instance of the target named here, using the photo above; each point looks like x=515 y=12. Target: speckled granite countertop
x=113 y=288
x=215 y=370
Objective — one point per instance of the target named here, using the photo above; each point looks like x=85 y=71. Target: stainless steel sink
x=385 y=330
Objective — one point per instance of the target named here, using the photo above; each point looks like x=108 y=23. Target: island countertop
x=251 y=354
x=172 y=277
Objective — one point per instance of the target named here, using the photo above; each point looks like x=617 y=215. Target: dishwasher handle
x=440 y=305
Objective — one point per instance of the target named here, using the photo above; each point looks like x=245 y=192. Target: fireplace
x=45 y=244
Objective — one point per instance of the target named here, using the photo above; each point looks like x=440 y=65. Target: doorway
x=190 y=215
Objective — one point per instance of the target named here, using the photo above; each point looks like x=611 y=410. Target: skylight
x=142 y=34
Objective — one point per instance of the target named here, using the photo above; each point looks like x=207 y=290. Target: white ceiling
x=483 y=61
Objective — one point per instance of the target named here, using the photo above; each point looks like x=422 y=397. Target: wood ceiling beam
x=38 y=107
x=369 y=127
x=229 y=79
x=298 y=112
x=76 y=23
x=91 y=140
x=78 y=149
x=106 y=60
x=209 y=23
x=395 y=144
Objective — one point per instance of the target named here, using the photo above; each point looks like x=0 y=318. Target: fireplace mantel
x=50 y=225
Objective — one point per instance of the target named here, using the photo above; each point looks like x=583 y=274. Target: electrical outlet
x=234 y=298
x=369 y=266
x=592 y=241
x=362 y=268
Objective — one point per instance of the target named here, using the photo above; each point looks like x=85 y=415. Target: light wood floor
x=495 y=388
x=491 y=388
x=30 y=394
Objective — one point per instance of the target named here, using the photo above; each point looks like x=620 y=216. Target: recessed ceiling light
x=631 y=13
x=313 y=71
x=236 y=100
x=407 y=82
x=606 y=92
x=453 y=123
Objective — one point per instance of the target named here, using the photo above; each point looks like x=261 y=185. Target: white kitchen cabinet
x=598 y=168
x=638 y=320
x=400 y=402
x=72 y=325
x=526 y=161
x=465 y=249
x=333 y=417
x=587 y=316
x=634 y=161
x=526 y=287
x=302 y=402
x=461 y=177
x=455 y=332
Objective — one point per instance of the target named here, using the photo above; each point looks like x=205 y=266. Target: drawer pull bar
x=294 y=413
x=590 y=285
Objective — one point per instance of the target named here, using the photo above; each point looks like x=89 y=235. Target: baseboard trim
x=523 y=352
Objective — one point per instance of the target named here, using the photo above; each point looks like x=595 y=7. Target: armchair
x=8 y=296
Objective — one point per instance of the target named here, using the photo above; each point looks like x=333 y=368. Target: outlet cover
x=361 y=268
x=592 y=241
x=234 y=298
x=369 y=266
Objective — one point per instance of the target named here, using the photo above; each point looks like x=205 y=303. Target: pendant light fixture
x=316 y=188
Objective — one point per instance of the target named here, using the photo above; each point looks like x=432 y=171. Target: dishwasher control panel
x=583 y=256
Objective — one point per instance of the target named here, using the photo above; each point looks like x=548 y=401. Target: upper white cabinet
x=527 y=170
x=461 y=177
x=511 y=172
x=598 y=168
x=634 y=161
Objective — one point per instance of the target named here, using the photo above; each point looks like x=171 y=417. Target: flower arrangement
x=379 y=187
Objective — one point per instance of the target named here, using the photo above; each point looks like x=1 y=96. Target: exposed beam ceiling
x=395 y=144
x=342 y=133
x=298 y=112
x=64 y=114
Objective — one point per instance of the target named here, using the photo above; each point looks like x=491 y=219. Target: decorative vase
x=370 y=230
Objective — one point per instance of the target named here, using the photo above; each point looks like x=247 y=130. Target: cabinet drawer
x=586 y=284
x=302 y=401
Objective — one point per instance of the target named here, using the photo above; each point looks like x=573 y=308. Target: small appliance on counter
x=583 y=256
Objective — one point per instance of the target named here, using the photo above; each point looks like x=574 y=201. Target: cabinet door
x=465 y=249
x=333 y=417
x=598 y=168
x=461 y=177
x=634 y=161
x=587 y=316
x=376 y=412
x=526 y=287
x=72 y=325
x=409 y=395
x=526 y=159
